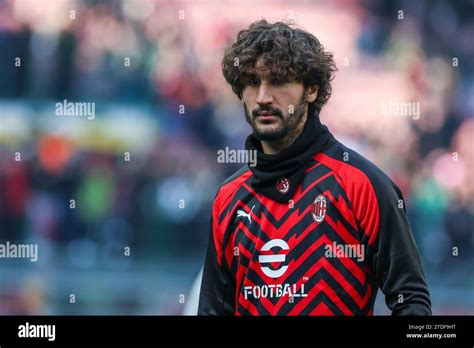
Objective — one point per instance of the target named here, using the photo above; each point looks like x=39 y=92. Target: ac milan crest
x=283 y=185
x=319 y=208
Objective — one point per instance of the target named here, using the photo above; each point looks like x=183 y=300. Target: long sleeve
x=395 y=258
x=216 y=296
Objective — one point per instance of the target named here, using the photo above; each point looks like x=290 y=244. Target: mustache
x=271 y=110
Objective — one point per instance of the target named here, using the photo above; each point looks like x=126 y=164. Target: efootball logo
x=267 y=259
x=275 y=290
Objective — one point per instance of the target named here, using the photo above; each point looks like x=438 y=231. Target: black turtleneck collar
x=277 y=176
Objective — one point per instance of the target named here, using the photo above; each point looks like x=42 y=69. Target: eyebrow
x=246 y=76
x=252 y=70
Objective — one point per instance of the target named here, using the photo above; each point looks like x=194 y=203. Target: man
x=314 y=228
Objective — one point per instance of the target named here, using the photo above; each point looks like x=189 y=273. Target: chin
x=269 y=135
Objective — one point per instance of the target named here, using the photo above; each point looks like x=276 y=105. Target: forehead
x=268 y=70
x=260 y=65
x=259 y=68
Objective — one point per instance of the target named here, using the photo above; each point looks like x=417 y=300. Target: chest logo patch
x=319 y=208
x=283 y=185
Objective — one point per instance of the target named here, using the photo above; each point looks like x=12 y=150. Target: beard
x=288 y=122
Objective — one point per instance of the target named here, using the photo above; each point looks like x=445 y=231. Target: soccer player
x=314 y=228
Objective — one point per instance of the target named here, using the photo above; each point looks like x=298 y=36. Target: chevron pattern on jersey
x=316 y=284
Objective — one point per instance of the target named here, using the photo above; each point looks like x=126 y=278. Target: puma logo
x=241 y=213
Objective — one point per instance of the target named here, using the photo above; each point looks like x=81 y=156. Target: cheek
x=287 y=103
x=288 y=95
x=248 y=95
x=293 y=99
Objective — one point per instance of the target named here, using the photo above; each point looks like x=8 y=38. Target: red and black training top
x=326 y=250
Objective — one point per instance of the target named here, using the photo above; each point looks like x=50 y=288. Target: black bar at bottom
x=141 y=330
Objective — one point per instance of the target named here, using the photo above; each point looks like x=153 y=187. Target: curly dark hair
x=291 y=54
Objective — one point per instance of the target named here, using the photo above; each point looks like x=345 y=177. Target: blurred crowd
x=143 y=173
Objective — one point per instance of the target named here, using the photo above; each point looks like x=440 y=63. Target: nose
x=264 y=95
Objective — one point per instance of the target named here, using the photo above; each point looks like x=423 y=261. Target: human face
x=273 y=108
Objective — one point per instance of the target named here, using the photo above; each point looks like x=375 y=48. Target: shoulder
x=371 y=192
x=230 y=185
x=355 y=170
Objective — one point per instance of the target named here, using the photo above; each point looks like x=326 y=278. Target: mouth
x=266 y=116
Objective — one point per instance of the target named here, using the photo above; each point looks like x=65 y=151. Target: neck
x=274 y=147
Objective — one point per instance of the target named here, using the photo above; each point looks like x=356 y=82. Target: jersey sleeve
x=394 y=255
x=216 y=296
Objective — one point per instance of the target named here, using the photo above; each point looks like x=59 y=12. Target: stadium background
x=78 y=51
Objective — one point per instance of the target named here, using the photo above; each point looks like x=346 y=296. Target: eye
x=276 y=81
x=251 y=80
x=254 y=81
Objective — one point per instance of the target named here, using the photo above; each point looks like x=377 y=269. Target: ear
x=312 y=93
